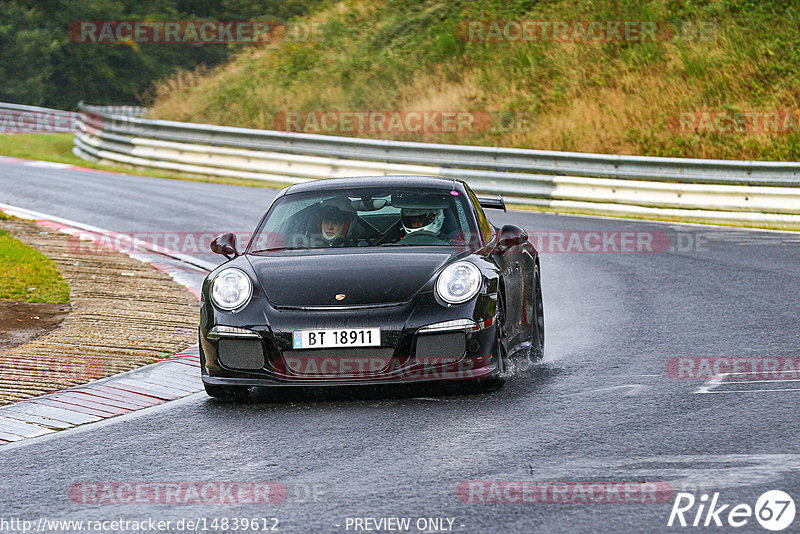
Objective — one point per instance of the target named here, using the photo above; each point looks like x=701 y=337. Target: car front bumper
x=460 y=347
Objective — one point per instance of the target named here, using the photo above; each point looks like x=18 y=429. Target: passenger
x=335 y=218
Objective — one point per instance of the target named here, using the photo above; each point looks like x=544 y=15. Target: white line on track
x=763 y=381
x=711 y=384
x=750 y=390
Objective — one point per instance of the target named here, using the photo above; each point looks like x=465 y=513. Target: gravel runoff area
x=125 y=314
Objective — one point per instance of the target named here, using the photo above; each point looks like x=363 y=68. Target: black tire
x=497 y=380
x=228 y=393
x=537 y=328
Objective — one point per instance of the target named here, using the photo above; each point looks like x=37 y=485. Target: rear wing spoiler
x=493 y=203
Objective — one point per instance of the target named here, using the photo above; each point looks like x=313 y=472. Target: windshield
x=373 y=217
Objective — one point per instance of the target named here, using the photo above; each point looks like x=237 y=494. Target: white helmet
x=429 y=220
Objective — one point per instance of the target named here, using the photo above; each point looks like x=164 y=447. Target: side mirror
x=511 y=236
x=225 y=244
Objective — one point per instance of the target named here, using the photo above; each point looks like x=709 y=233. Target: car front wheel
x=498 y=378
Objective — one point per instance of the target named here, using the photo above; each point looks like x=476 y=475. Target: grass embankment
x=619 y=97
x=27 y=275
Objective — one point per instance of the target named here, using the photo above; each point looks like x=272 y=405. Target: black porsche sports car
x=370 y=280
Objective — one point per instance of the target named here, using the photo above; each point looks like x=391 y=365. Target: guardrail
x=125 y=111
x=716 y=190
x=18 y=118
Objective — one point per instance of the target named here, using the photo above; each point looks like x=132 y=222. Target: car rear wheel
x=537 y=333
x=228 y=393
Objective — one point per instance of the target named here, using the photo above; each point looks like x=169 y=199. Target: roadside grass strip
x=174 y=375
x=27 y=275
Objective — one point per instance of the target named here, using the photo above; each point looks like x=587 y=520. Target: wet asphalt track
x=601 y=407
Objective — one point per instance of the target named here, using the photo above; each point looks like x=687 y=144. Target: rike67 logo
x=774 y=510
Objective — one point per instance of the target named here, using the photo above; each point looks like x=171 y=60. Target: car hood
x=363 y=277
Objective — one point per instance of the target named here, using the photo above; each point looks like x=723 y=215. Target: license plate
x=336 y=337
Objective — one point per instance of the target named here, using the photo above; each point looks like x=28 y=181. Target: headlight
x=231 y=289
x=459 y=282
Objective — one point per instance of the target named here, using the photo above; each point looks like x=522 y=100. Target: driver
x=422 y=220
x=336 y=214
